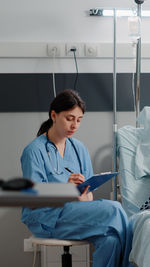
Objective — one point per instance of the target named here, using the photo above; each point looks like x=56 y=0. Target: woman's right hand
x=86 y=195
x=76 y=178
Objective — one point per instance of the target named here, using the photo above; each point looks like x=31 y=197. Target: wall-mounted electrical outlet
x=56 y=49
x=91 y=50
x=65 y=49
x=79 y=49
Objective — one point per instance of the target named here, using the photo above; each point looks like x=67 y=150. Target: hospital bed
x=133 y=151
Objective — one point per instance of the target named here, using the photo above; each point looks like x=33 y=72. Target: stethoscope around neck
x=56 y=170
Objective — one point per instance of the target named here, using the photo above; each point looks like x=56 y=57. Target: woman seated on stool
x=54 y=156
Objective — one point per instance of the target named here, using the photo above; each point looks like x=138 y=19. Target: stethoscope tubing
x=48 y=152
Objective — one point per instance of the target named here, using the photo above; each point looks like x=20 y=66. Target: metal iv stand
x=138 y=63
x=138 y=71
x=114 y=111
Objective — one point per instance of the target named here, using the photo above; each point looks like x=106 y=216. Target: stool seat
x=66 y=257
x=57 y=242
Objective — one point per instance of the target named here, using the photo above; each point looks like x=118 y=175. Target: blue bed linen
x=134 y=192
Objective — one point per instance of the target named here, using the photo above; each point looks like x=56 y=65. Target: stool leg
x=66 y=258
x=34 y=257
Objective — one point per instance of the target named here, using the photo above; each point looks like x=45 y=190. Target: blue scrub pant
x=102 y=222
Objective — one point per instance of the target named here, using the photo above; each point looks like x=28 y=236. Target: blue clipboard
x=96 y=180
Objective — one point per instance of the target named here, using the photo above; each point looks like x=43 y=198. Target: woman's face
x=66 y=123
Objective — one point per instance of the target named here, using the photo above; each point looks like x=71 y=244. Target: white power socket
x=28 y=247
x=91 y=50
x=56 y=49
x=79 y=49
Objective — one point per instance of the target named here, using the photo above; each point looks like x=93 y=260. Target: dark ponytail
x=45 y=126
x=64 y=101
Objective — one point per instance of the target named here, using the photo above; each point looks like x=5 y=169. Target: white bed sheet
x=140 y=253
x=134 y=191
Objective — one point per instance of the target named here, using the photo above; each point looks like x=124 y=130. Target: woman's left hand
x=86 y=196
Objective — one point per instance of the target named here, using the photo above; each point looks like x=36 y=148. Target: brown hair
x=65 y=100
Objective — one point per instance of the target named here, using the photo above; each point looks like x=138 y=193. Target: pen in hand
x=68 y=170
x=75 y=178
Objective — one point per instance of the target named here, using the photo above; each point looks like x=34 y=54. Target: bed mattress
x=134 y=191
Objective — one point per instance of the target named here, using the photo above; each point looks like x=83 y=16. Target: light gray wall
x=35 y=20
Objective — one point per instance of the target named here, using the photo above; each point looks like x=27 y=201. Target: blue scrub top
x=38 y=166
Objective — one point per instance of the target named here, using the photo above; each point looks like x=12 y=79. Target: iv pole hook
x=139 y=2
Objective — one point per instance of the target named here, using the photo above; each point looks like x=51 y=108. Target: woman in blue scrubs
x=54 y=156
